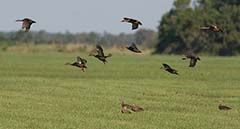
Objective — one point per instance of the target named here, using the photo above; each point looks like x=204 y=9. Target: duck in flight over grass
x=133 y=48
x=135 y=23
x=193 y=59
x=213 y=28
x=98 y=53
x=80 y=63
x=169 y=69
x=26 y=24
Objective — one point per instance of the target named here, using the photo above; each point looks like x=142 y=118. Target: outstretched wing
x=134 y=48
x=193 y=62
x=99 y=50
x=81 y=60
x=166 y=66
x=133 y=45
x=134 y=26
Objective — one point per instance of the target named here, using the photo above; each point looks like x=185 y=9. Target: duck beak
x=34 y=22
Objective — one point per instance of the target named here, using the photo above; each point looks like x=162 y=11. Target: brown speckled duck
x=136 y=108
x=125 y=108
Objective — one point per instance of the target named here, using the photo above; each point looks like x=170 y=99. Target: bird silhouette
x=133 y=48
x=99 y=54
x=193 y=59
x=135 y=23
x=26 y=24
x=223 y=107
x=80 y=63
x=169 y=69
x=213 y=28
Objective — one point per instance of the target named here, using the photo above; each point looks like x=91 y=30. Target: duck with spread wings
x=80 y=63
x=26 y=24
x=135 y=23
x=99 y=54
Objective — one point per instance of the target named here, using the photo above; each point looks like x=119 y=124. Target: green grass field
x=37 y=91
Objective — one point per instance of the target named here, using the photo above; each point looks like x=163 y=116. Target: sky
x=82 y=15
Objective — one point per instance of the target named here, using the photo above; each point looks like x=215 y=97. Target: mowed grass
x=37 y=91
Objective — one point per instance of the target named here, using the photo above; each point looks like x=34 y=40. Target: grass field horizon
x=38 y=91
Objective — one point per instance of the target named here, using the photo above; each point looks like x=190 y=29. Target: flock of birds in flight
x=99 y=54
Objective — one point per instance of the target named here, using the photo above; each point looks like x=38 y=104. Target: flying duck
x=193 y=59
x=213 y=28
x=135 y=23
x=98 y=53
x=80 y=63
x=133 y=48
x=26 y=24
x=169 y=69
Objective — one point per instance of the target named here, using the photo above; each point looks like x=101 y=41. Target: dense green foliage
x=143 y=37
x=38 y=91
x=179 y=29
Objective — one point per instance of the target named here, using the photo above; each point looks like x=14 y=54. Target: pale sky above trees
x=82 y=15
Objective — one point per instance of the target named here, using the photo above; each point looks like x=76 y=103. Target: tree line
x=144 y=37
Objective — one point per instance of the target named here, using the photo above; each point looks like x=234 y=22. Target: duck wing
x=166 y=66
x=193 y=62
x=100 y=50
x=134 y=26
x=81 y=60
